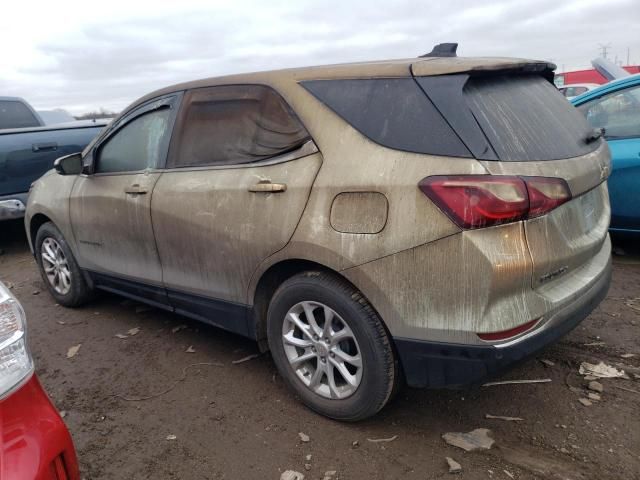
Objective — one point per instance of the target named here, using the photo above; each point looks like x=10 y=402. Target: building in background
x=588 y=76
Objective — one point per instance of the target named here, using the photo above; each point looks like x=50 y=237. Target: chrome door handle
x=267 y=187
x=135 y=189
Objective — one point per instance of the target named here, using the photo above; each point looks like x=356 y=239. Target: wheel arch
x=269 y=282
x=35 y=222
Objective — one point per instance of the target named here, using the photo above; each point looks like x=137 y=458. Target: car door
x=619 y=114
x=238 y=176
x=110 y=208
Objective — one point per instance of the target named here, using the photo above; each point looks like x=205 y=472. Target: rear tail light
x=15 y=360
x=476 y=201
x=545 y=194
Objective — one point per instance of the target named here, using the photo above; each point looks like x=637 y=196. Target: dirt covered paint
x=426 y=277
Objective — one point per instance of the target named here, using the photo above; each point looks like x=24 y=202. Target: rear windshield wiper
x=594 y=135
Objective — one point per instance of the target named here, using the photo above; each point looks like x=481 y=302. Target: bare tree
x=102 y=113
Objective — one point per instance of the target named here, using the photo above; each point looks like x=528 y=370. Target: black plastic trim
x=445 y=92
x=230 y=316
x=442 y=50
x=219 y=313
x=150 y=294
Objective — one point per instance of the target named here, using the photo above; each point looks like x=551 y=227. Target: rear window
x=526 y=118
x=235 y=124
x=16 y=115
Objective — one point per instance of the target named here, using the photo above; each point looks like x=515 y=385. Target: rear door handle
x=135 y=189
x=44 y=147
x=265 y=186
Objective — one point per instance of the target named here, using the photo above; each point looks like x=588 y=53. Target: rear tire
x=344 y=369
x=59 y=269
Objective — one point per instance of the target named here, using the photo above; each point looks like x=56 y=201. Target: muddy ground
x=237 y=421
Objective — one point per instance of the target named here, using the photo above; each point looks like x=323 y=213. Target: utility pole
x=627 y=56
x=603 y=49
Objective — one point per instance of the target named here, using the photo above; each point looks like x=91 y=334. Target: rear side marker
x=506 y=334
x=477 y=201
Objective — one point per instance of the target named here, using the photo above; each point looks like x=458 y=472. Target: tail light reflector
x=477 y=201
x=505 y=334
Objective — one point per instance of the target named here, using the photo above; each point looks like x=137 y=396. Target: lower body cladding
x=438 y=300
x=13 y=206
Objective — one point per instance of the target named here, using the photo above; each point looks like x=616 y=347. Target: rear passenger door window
x=14 y=114
x=235 y=124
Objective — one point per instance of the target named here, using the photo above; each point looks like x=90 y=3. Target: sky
x=85 y=55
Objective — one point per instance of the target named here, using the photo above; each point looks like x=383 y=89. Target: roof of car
x=385 y=68
x=12 y=99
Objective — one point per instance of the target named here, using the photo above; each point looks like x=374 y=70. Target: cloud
x=110 y=57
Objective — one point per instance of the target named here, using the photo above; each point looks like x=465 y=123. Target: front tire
x=330 y=346
x=59 y=269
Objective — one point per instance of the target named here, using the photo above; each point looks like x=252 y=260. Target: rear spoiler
x=431 y=65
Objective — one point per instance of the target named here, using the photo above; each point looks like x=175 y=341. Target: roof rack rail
x=442 y=50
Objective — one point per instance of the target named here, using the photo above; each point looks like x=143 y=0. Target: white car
x=575 y=89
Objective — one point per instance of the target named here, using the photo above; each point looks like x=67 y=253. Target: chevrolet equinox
x=428 y=221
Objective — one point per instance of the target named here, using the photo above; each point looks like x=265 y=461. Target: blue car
x=615 y=107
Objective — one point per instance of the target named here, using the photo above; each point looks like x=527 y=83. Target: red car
x=36 y=444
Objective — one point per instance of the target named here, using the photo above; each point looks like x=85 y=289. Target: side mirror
x=69 y=165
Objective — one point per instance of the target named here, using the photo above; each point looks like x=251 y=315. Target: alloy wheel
x=322 y=350
x=55 y=265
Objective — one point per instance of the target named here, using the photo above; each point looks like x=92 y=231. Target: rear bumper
x=36 y=444
x=13 y=206
x=437 y=364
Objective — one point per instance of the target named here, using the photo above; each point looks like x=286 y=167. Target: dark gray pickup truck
x=28 y=149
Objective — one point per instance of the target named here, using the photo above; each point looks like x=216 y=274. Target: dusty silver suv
x=430 y=220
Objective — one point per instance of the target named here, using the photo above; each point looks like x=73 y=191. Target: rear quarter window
x=393 y=112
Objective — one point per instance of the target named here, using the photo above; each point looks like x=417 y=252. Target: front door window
x=137 y=146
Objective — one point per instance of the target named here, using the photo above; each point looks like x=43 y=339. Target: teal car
x=615 y=107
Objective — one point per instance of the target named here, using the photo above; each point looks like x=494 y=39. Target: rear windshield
x=16 y=115
x=526 y=118
x=497 y=117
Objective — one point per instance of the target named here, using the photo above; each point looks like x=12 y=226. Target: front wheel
x=58 y=267
x=330 y=346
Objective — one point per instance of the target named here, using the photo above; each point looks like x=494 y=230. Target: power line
x=603 y=49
